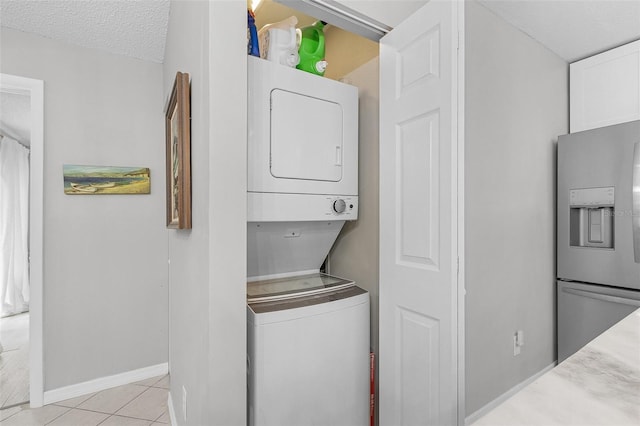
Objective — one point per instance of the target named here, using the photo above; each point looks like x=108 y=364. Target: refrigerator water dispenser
x=591 y=217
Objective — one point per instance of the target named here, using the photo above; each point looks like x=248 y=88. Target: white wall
x=355 y=253
x=207 y=272
x=516 y=106
x=226 y=402
x=105 y=284
x=186 y=51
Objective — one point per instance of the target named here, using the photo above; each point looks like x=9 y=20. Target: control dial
x=339 y=206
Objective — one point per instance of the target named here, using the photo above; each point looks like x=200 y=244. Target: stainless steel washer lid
x=291 y=287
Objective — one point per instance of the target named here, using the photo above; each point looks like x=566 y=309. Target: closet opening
x=351 y=59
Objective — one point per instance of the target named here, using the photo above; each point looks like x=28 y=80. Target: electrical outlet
x=184 y=403
x=518 y=342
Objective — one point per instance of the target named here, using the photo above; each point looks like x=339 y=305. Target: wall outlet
x=518 y=342
x=184 y=403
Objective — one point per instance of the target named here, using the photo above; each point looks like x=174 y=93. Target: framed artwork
x=98 y=180
x=178 y=151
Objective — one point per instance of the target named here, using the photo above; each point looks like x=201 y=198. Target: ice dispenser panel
x=591 y=215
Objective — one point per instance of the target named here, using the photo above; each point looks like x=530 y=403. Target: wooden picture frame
x=178 y=152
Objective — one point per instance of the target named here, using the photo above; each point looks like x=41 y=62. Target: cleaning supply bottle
x=252 y=35
x=278 y=42
x=311 y=49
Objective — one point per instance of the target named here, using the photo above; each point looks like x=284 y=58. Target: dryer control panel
x=342 y=206
x=270 y=207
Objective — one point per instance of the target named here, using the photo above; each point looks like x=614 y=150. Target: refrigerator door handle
x=635 y=218
x=603 y=297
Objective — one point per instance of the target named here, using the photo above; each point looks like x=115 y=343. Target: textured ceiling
x=136 y=28
x=573 y=29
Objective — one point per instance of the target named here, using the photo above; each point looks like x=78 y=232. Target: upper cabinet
x=605 y=88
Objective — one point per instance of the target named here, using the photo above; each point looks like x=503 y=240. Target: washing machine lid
x=291 y=287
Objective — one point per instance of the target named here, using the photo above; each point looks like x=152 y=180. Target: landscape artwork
x=97 y=180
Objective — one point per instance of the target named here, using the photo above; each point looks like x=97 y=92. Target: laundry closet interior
x=312 y=223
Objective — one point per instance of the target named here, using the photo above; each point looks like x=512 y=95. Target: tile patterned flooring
x=138 y=404
x=14 y=360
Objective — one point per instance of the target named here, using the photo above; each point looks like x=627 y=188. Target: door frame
x=459 y=69
x=35 y=90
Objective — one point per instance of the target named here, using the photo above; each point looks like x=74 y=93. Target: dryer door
x=306 y=137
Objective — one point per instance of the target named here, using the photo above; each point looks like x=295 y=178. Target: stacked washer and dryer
x=308 y=332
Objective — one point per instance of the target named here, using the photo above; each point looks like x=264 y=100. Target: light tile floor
x=138 y=404
x=14 y=360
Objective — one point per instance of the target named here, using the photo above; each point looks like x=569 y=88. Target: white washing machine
x=308 y=352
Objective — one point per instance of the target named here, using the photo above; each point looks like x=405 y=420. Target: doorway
x=21 y=333
x=14 y=248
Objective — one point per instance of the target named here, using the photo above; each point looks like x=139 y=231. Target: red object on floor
x=372 y=388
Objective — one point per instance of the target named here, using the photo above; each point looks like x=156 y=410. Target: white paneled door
x=418 y=219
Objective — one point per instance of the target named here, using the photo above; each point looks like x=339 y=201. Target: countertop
x=598 y=385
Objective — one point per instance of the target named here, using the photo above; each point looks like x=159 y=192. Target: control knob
x=339 y=206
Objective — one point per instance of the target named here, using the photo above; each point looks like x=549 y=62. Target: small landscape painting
x=95 y=180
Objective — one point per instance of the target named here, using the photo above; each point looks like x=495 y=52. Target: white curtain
x=14 y=227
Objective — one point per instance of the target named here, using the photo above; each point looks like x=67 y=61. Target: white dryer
x=302 y=145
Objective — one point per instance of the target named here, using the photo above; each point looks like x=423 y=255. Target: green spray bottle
x=311 y=49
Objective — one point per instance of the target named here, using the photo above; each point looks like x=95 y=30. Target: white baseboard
x=172 y=412
x=102 y=383
x=508 y=394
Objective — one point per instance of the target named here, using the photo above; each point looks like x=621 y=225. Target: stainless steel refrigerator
x=598 y=232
